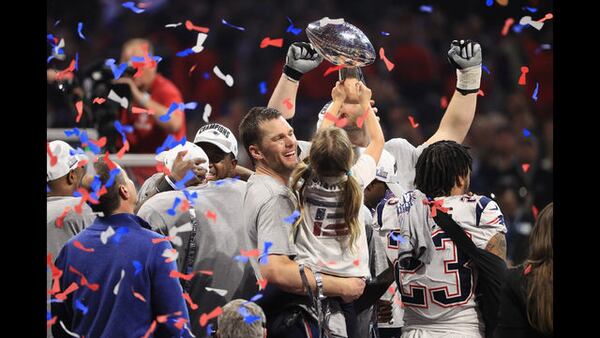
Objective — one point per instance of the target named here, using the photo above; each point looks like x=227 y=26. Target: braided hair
x=440 y=167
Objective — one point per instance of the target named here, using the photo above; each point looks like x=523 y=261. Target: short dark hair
x=110 y=201
x=249 y=128
x=440 y=166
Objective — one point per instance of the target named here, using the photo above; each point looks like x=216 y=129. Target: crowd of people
x=323 y=213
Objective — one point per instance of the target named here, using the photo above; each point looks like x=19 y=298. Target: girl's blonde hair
x=539 y=280
x=331 y=154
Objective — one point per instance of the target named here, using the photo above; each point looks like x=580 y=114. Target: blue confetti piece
x=531 y=9
x=71 y=132
x=489 y=3
x=76 y=151
x=267 y=246
x=137 y=58
x=517 y=28
x=49 y=58
x=185 y=52
x=292 y=218
x=50 y=39
x=96 y=183
x=131 y=6
x=119 y=233
x=167 y=116
x=398 y=238
x=157 y=59
x=113 y=176
x=191 y=197
x=138 y=267
x=48 y=315
x=526 y=132
x=209 y=330
x=79 y=28
x=232 y=26
x=76 y=194
x=190 y=105
x=206 y=75
x=76 y=61
x=425 y=8
x=122 y=129
x=263 y=87
x=485 y=68
x=385 y=33
x=535 y=92
x=256 y=297
x=172 y=211
x=56 y=23
x=47 y=188
x=188 y=176
x=292 y=29
x=242 y=259
x=79 y=305
x=251 y=319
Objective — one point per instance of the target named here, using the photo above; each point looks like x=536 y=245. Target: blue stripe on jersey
x=481 y=204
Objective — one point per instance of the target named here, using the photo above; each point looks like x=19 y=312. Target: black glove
x=466 y=57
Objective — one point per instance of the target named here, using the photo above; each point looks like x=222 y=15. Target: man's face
x=374 y=192
x=143 y=81
x=278 y=145
x=221 y=164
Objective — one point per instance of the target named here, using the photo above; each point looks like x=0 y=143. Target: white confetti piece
x=228 y=79
x=116 y=289
x=220 y=292
x=327 y=21
x=122 y=100
x=170 y=255
x=173 y=25
x=535 y=24
x=105 y=235
x=198 y=47
x=72 y=334
x=176 y=240
x=207 y=111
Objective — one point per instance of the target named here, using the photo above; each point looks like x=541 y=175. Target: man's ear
x=72 y=177
x=255 y=153
x=123 y=192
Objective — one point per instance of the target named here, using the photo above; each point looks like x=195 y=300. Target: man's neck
x=124 y=209
x=60 y=191
x=280 y=177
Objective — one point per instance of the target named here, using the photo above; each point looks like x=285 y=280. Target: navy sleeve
x=61 y=309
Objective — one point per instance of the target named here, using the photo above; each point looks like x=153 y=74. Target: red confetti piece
x=171 y=253
x=123 y=149
x=546 y=17
x=525 y=167
x=204 y=318
x=51 y=321
x=111 y=165
x=361 y=119
x=138 y=296
x=211 y=215
x=480 y=93
x=150 y=329
x=191 y=70
x=527 y=270
x=163 y=318
x=180 y=323
x=60 y=219
x=509 y=22
x=205 y=272
x=164 y=239
x=64 y=73
x=444 y=102
x=71 y=288
x=84 y=281
x=80 y=246
x=289 y=105
x=534 y=210
x=356 y=261
x=339 y=122
x=99 y=100
x=191 y=27
x=82 y=163
x=522 y=78
x=160 y=167
x=53 y=158
x=262 y=283
x=100 y=143
x=79 y=107
x=138 y=110
x=389 y=65
x=177 y=274
x=332 y=69
x=412 y=122
x=435 y=206
x=250 y=253
x=56 y=274
x=271 y=42
x=185 y=206
x=188 y=299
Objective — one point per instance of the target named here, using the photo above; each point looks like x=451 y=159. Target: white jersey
x=322 y=237
x=440 y=295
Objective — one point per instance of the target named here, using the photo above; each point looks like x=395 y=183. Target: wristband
x=291 y=73
x=468 y=80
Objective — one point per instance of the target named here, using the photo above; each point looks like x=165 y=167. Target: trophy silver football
x=341 y=43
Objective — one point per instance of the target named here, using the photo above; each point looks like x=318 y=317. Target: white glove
x=301 y=58
x=466 y=57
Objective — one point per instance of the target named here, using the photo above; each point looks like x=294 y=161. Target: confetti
x=361 y=119
x=385 y=33
x=518 y=28
x=84 y=281
x=292 y=29
x=188 y=299
x=70 y=289
x=526 y=20
x=288 y=104
x=256 y=297
x=204 y=318
x=271 y=42
x=489 y=3
x=522 y=78
x=199 y=43
x=169 y=143
x=181 y=183
x=67 y=331
x=389 y=65
x=527 y=270
x=138 y=267
x=262 y=283
x=67 y=72
x=534 y=211
x=546 y=17
x=263 y=87
x=264 y=259
x=170 y=255
x=99 y=100
x=185 y=206
x=210 y=330
x=291 y=219
x=530 y=9
x=121 y=100
x=131 y=6
x=232 y=26
x=485 y=69
x=80 y=246
x=435 y=205
x=427 y=9
x=79 y=107
x=191 y=27
x=444 y=102
x=138 y=296
x=113 y=175
x=185 y=52
x=535 y=92
x=172 y=211
x=480 y=93
x=119 y=233
x=167 y=116
x=173 y=25
x=332 y=69
x=398 y=237
x=51 y=322
x=542 y=47
x=150 y=329
x=242 y=259
x=328 y=21
x=211 y=215
x=138 y=110
x=526 y=132
x=250 y=253
x=356 y=262
x=251 y=319
x=79 y=305
x=207 y=112
x=79 y=28
x=412 y=122
x=116 y=288
x=220 y=292
x=105 y=235
x=507 y=25
x=177 y=274
x=228 y=79
x=525 y=167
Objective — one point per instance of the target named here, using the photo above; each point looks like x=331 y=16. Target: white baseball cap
x=66 y=160
x=168 y=157
x=218 y=135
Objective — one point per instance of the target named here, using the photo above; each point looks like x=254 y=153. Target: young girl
x=330 y=235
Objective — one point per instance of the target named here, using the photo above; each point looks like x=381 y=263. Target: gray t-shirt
x=266 y=204
x=219 y=224
x=148 y=189
x=406 y=156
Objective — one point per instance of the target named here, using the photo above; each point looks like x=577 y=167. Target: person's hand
x=181 y=167
x=364 y=94
x=384 y=311
x=135 y=91
x=466 y=57
x=354 y=289
x=338 y=93
x=300 y=59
